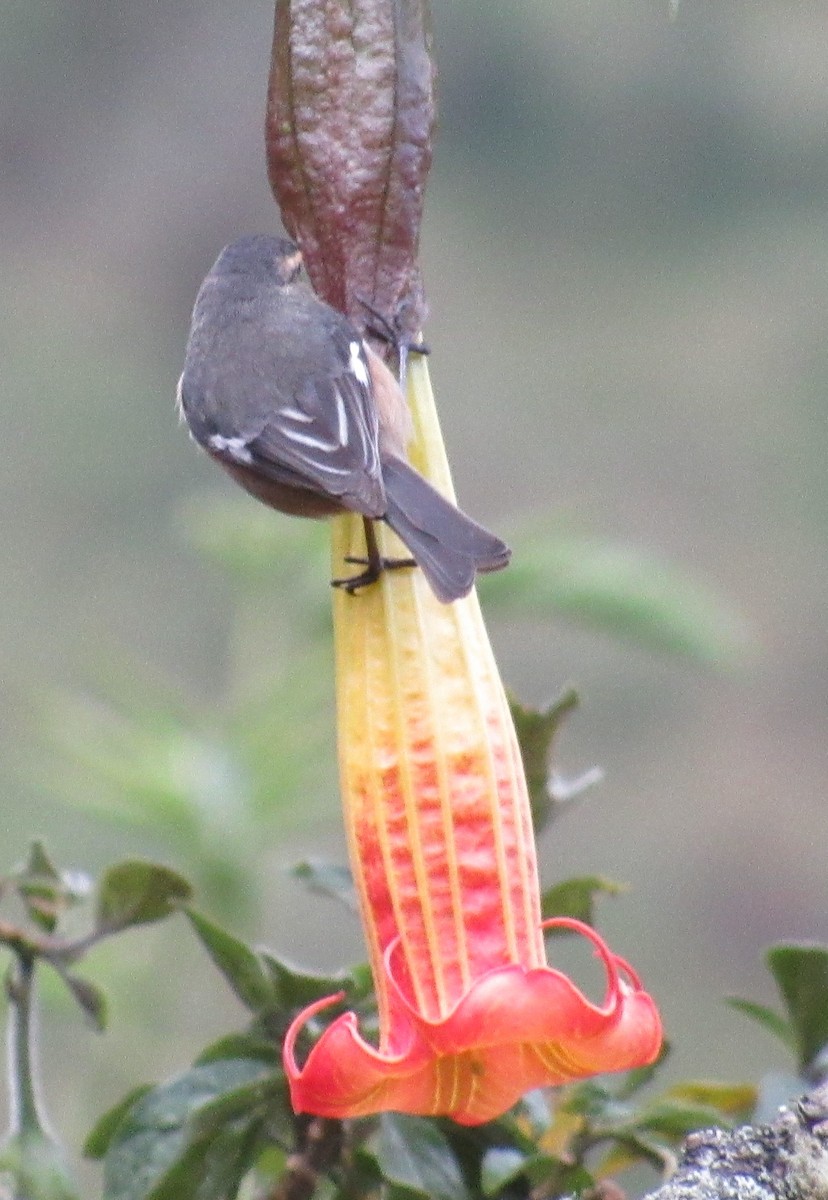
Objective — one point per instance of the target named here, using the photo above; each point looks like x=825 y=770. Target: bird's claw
x=373 y=569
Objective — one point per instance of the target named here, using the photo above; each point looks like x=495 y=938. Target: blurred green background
x=625 y=254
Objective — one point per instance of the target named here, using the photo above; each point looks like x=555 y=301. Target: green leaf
x=138 y=893
x=39 y=885
x=90 y=998
x=297 y=988
x=240 y=1045
x=327 y=879
x=40 y=865
x=619 y=590
x=213 y=1168
x=557 y=1177
x=801 y=973
x=239 y=964
x=226 y=1160
x=500 y=1165
x=159 y=1152
x=735 y=1100
x=45 y=891
x=576 y=898
x=226 y=1108
x=271 y=1164
x=674 y=1119
x=100 y=1136
x=548 y=1175
x=589 y=1099
x=273 y=1088
x=536 y=730
x=765 y=1016
x=413 y=1153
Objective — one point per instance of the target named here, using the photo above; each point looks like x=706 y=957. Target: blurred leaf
x=576 y=898
x=256 y=1094
x=256 y=545
x=298 y=988
x=801 y=973
x=98 y=1139
x=633 y=1081
x=146 y=767
x=138 y=893
x=548 y=1174
x=499 y=1166
x=159 y=1152
x=414 y=1154
x=767 y=1017
x=564 y=789
x=674 y=1119
x=270 y=1166
x=590 y=1099
x=135 y=754
x=632 y=1149
x=209 y=1169
x=213 y=1168
x=735 y=1100
x=239 y=964
x=39 y=885
x=619 y=590
x=563 y=1133
x=240 y=1045
x=273 y=1088
x=34 y=1167
x=90 y=998
x=327 y=879
x=536 y=730
x=818 y=1067
x=45 y=891
x=535 y=1108
x=554 y=1176
x=39 y=866
x=136 y=766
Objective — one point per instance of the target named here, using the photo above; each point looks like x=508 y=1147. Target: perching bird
x=286 y=395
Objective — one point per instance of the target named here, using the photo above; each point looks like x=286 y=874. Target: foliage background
x=625 y=257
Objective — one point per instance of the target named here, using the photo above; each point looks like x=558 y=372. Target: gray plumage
x=277 y=387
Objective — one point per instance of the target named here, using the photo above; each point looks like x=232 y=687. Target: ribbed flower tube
x=443 y=856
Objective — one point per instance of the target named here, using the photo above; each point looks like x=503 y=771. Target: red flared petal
x=514 y=1030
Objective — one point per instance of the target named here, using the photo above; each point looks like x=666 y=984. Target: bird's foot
x=373 y=569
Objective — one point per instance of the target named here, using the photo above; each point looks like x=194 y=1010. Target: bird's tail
x=447 y=545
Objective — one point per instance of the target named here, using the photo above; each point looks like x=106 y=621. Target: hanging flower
x=443 y=856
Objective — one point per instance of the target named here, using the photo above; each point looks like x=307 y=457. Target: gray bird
x=283 y=392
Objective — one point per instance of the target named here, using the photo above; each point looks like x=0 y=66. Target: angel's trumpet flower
x=443 y=856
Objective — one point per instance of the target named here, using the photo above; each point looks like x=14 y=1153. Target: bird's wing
x=328 y=435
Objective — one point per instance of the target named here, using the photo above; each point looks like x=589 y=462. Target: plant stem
x=24 y=1113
